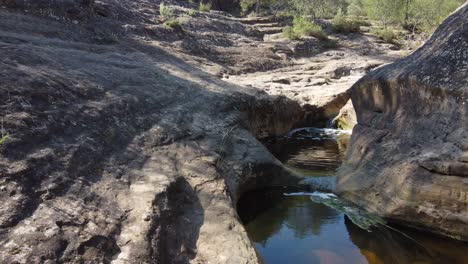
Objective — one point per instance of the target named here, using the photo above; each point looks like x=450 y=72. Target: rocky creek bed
x=289 y=225
x=127 y=141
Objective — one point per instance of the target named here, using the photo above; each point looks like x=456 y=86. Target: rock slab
x=407 y=157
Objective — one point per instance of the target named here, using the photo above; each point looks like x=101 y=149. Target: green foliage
x=192 y=12
x=386 y=34
x=341 y=24
x=288 y=33
x=388 y=12
x=416 y=15
x=3 y=135
x=302 y=27
x=246 y=6
x=204 y=7
x=173 y=23
x=317 y=8
x=3 y=138
x=356 y=8
x=426 y=15
x=165 y=12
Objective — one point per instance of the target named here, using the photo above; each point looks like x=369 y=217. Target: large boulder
x=408 y=154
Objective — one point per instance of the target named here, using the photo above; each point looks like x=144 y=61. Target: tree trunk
x=407 y=12
x=257 y=8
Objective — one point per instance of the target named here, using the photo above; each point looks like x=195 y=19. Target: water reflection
x=311 y=153
x=294 y=229
x=410 y=246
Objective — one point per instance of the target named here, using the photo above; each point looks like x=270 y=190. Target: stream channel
x=288 y=226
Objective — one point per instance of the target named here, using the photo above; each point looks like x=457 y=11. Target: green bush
x=173 y=23
x=288 y=33
x=341 y=24
x=246 y=6
x=386 y=34
x=3 y=138
x=165 y=12
x=192 y=12
x=302 y=27
x=204 y=7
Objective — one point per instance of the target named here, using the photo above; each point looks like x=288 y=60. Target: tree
x=426 y=15
x=356 y=8
x=386 y=11
x=318 y=8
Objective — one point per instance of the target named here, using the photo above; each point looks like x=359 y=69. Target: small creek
x=296 y=229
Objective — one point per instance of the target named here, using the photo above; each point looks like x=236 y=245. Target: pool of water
x=295 y=229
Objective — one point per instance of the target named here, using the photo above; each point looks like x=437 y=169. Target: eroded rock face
x=407 y=158
x=121 y=151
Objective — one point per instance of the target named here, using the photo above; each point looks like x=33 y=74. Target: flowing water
x=298 y=229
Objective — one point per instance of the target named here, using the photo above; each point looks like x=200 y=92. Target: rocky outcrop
x=407 y=157
x=317 y=74
x=120 y=151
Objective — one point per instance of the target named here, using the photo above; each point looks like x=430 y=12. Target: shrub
x=343 y=25
x=3 y=135
x=192 y=12
x=173 y=23
x=106 y=36
x=304 y=27
x=288 y=33
x=165 y=12
x=246 y=6
x=204 y=7
x=386 y=34
x=3 y=138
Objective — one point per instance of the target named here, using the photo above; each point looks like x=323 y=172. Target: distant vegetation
x=342 y=24
x=302 y=27
x=414 y=15
x=386 y=34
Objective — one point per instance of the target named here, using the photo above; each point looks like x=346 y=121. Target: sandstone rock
x=405 y=159
x=125 y=152
x=346 y=119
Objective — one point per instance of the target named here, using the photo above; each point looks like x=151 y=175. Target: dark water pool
x=295 y=229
